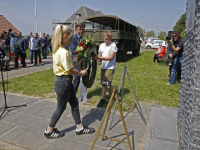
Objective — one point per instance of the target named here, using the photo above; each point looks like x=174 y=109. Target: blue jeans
x=49 y=49
x=31 y=56
x=178 y=61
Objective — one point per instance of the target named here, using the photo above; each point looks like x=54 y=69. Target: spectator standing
x=43 y=40
x=107 y=53
x=28 y=40
x=7 y=43
x=34 y=45
x=177 y=46
x=3 y=56
x=80 y=28
x=49 y=48
x=19 y=45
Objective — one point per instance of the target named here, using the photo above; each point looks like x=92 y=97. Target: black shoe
x=54 y=134
x=100 y=104
x=34 y=64
x=86 y=130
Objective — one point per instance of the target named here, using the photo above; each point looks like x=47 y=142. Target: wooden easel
x=108 y=110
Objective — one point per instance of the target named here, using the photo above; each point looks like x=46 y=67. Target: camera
x=169 y=36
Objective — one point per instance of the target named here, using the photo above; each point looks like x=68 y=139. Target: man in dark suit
x=80 y=28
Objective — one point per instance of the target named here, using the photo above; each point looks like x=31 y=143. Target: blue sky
x=21 y=13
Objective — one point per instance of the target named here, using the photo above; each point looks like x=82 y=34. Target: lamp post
x=36 y=16
x=146 y=22
x=157 y=25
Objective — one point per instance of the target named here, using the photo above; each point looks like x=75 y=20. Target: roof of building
x=85 y=12
x=5 y=25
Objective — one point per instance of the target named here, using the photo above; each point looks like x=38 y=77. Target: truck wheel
x=122 y=55
x=148 y=47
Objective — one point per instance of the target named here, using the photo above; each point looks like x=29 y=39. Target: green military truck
x=124 y=34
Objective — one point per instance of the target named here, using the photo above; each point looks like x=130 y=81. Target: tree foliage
x=141 y=31
x=151 y=34
x=162 y=35
x=180 y=25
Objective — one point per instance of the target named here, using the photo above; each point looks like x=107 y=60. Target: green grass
x=149 y=81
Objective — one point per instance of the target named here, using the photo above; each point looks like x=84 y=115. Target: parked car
x=155 y=44
x=152 y=39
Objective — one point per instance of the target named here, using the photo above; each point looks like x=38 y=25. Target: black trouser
x=65 y=93
x=44 y=51
x=155 y=57
x=37 y=52
x=18 y=53
x=7 y=50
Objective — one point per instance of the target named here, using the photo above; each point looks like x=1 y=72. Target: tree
x=180 y=25
x=150 y=34
x=162 y=35
x=141 y=32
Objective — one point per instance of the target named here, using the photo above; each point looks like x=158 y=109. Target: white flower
x=79 y=48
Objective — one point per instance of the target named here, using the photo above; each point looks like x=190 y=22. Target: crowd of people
x=14 y=41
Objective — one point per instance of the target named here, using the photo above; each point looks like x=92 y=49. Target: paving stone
x=31 y=110
x=27 y=138
x=118 y=128
x=23 y=101
x=24 y=120
x=106 y=143
x=38 y=103
x=161 y=130
x=8 y=146
x=69 y=130
x=89 y=112
x=45 y=113
x=88 y=121
x=38 y=124
x=158 y=144
x=133 y=121
x=142 y=122
x=5 y=127
x=86 y=138
x=83 y=146
x=42 y=143
x=162 y=126
x=49 y=105
x=68 y=120
x=139 y=132
x=64 y=143
x=12 y=117
x=136 y=144
x=13 y=133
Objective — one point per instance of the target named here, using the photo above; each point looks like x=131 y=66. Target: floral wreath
x=85 y=51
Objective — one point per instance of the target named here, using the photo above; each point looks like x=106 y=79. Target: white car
x=155 y=44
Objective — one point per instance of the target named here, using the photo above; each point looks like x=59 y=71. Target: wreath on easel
x=85 y=51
